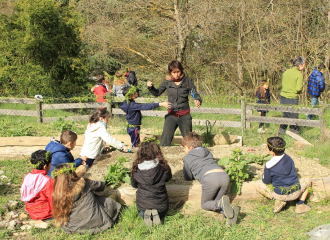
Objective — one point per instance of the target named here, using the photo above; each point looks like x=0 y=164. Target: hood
x=33 y=183
x=146 y=165
x=199 y=152
x=55 y=146
x=280 y=165
x=92 y=127
x=151 y=175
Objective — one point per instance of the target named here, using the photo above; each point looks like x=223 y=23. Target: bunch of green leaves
x=117 y=173
x=61 y=125
x=237 y=167
x=151 y=139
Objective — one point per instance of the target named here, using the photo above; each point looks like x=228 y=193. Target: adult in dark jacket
x=130 y=76
x=149 y=174
x=178 y=87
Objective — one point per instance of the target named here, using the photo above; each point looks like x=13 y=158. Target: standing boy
x=133 y=112
x=316 y=85
x=100 y=89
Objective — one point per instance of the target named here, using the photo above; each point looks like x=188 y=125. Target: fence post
x=322 y=124
x=39 y=111
x=109 y=107
x=243 y=117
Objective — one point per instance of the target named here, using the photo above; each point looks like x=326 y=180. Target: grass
x=256 y=221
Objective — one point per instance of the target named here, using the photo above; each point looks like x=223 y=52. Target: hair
x=42 y=158
x=261 y=89
x=119 y=78
x=68 y=136
x=297 y=61
x=276 y=145
x=192 y=139
x=101 y=112
x=321 y=67
x=63 y=194
x=126 y=90
x=100 y=78
x=173 y=65
x=149 y=151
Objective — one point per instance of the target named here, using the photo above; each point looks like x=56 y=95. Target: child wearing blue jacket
x=61 y=151
x=280 y=180
x=133 y=112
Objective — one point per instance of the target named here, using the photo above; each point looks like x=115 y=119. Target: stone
x=12 y=204
x=23 y=217
x=11 y=215
x=12 y=224
x=38 y=224
x=3 y=223
x=26 y=227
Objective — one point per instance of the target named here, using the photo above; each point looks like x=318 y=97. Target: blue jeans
x=313 y=102
x=134 y=134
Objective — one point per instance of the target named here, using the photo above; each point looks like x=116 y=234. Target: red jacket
x=36 y=192
x=100 y=92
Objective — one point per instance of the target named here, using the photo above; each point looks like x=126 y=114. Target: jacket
x=316 y=83
x=197 y=162
x=267 y=97
x=100 y=92
x=292 y=83
x=281 y=173
x=60 y=154
x=90 y=213
x=150 y=179
x=133 y=111
x=95 y=136
x=177 y=95
x=36 y=192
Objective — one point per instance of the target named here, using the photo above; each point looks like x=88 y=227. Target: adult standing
x=316 y=85
x=292 y=83
x=131 y=77
x=178 y=87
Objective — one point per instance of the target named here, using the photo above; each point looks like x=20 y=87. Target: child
x=263 y=96
x=100 y=89
x=75 y=206
x=119 y=83
x=149 y=173
x=133 y=113
x=199 y=164
x=37 y=187
x=280 y=173
x=61 y=150
x=96 y=135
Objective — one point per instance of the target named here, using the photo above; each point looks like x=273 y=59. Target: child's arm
x=266 y=177
x=106 y=136
x=148 y=106
x=168 y=174
x=62 y=157
x=187 y=172
x=159 y=91
x=134 y=182
x=96 y=186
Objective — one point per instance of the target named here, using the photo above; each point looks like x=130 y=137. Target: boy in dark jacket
x=280 y=181
x=61 y=151
x=133 y=113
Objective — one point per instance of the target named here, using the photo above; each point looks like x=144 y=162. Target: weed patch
x=117 y=173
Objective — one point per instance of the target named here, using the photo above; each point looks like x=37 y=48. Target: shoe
x=155 y=217
x=147 y=218
x=232 y=221
x=226 y=208
x=278 y=206
x=260 y=130
x=302 y=208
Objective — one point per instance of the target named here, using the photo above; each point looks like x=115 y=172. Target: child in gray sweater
x=199 y=165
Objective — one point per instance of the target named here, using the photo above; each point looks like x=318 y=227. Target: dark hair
x=276 y=145
x=40 y=157
x=125 y=90
x=192 y=139
x=261 y=89
x=149 y=151
x=321 y=66
x=297 y=61
x=100 y=78
x=173 y=65
x=68 y=136
x=101 y=112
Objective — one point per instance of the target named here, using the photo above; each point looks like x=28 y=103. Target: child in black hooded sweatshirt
x=149 y=174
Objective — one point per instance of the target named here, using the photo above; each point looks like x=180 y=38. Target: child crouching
x=199 y=164
x=280 y=181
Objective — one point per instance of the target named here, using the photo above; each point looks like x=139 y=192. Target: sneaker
x=226 y=208
x=232 y=221
x=155 y=217
x=302 y=208
x=147 y=218
x=278 y=206
x=260 y=130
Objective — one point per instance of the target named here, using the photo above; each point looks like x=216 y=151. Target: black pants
x=283 y=127
x=263 y=114
x=171 y=124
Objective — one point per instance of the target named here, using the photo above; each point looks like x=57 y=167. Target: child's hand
x=197 y=103
x=182 y=164
x=84 y=158
x=149 y=84
x=165 y=104
x=168 y=77
x=125 y=149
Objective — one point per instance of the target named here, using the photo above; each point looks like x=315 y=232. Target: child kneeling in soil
x=199 y=164
x=149 y=174
x=133 y=113
x=280 y=181
x=76 y=208
x=37 y=187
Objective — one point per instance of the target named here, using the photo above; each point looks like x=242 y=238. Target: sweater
x=292 y=83
x=133 y=111
x=280 y=172
x=316 y=83
x=36 y=192
x=60 y=154
x=95 y=136
x=150 y=179
x=197 y=162
x=100 y=92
